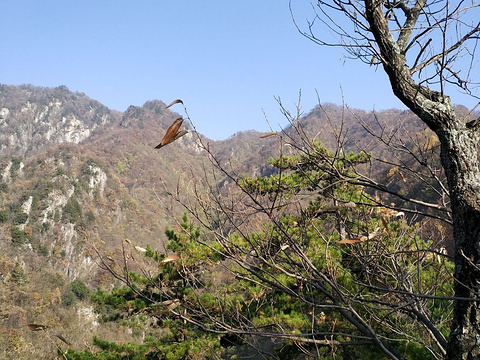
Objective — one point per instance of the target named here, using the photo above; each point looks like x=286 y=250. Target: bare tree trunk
x=459 y=159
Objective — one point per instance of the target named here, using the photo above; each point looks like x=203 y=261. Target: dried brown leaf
x=171 y=134
x=269 y=134
x=36 y=327
x=180 y=134
x=385 y=225
x=178 y=101
x=63 y=339
x=350 y=241
x=170 y=258
x=140 y=249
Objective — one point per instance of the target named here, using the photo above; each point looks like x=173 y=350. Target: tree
x=153 y=285
x=427 y=49
x=315 y=258
x=303 y=263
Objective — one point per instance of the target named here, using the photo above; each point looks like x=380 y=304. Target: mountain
x=33 y=118
x=76 y=176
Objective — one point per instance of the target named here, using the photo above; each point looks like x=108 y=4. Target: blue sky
x=226 y=59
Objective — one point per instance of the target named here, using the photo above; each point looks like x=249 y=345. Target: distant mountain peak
x=33 y=118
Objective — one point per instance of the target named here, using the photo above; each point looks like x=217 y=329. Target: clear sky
x=226 y=59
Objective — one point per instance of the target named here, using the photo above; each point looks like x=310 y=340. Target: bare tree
x=428 y=49
x=355 y=273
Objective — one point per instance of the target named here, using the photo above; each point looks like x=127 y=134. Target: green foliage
x=20 y=217
x=68 y=298
x=56 y=216
x=15 y=166
x=87 y=167
x=43 y=250
x=177 y=340
x=59 y=171
x=309 y=171
x=72 y=211
x=171 y=347
x=90 y=216
x=112 y=305
x=18 y=236
x=76 y=290
x=42 y=188
x=307 y=271
x=3 y=216
x=396 y=260
x=123 y=166
x=79 y=288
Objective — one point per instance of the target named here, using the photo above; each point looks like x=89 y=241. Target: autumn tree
x=428 y=50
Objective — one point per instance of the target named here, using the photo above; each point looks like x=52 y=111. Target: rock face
x=33 y=118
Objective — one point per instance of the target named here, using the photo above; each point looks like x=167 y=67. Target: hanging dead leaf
x=164 y=303
x=172 y=133
x=385 y=225
x=140 y=249
x=63 y=339
x=178 y=101
x=269 y=134
x=373 y=234
x=180 y=134
x=170 y=258
x=361 y=238
x=350 y=241
x=348 y=205
x=168 y=305
x=36 y=327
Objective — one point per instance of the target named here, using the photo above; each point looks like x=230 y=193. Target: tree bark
x=459 y=159
x=460 y=162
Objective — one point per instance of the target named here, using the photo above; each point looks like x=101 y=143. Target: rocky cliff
x=33 y=118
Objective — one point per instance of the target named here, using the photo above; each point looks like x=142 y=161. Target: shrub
x=68 y=297
x=18 y=236
x=77 y=290
x=3 y=216
x=43 y=250
x=80 y=290
x=20 y=217
x=72 y=211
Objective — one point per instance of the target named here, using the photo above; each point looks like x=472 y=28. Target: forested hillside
x=81 y=185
